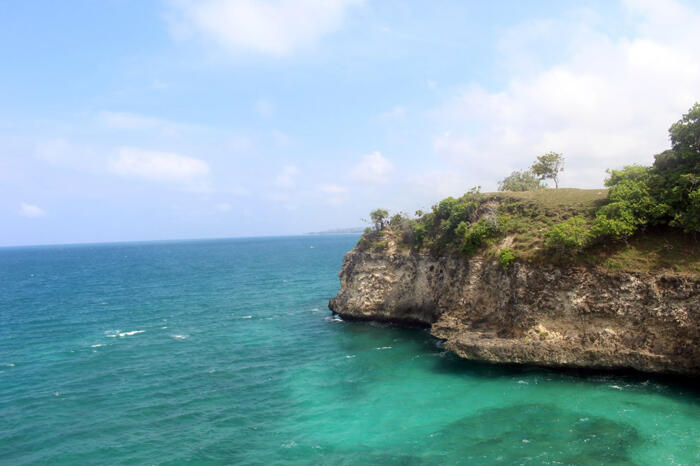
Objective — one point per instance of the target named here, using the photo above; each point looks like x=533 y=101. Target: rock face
x=530 y=314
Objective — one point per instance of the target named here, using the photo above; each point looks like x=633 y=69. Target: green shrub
x=571 y=235
x=620 y=226
x=419 y=232
x=475 y=234
x=506 y=257
x=380 y=245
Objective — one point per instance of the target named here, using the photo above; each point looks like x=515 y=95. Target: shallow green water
x=224 y=352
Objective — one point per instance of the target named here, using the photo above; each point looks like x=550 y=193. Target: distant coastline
x=339 y=231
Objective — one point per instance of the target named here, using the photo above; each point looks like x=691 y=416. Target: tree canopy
x=520 y=181
x=667 y=193
x=548 y=166
x=379 y=218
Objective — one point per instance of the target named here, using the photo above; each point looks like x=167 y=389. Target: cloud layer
x=155 y=165
x=276 y=27
x=374 y=168
x=31 y=211
x=608 y=103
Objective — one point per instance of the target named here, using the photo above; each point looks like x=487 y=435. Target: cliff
x=545 y=314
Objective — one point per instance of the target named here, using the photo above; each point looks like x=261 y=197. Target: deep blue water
x=223 y=352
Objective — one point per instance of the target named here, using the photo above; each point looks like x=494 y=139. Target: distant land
x=338 y=231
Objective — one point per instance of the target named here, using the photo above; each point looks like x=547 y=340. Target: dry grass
x=651 y=251
x=531 y=214
x=526 y=217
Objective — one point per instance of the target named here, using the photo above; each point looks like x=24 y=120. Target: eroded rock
x=530 y=314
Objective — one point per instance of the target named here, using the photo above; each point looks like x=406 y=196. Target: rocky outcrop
x=530 y=314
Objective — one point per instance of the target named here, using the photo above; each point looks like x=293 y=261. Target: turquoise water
x=223 y=352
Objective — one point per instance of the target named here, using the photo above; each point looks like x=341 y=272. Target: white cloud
x=31 y=210
x=285 y=179
x=273 y=27
x=396 y=113
x=333 y=195
x=223 y=207
x=609 y=102
x=154 y=165
x=374 y=168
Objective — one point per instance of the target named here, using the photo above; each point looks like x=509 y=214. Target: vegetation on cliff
x=647 y=219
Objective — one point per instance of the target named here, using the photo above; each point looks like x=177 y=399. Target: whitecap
x=7 y=364
x=383 y=347
x=333 y=318
x=349 y=356
x=291 y=444
x=616 y=387
x=315 y=309
x=179 y=337
x=246 y=317
x=526 y=440
x=133 y=332
x=163 y=328
x=96 y=346
x=522 y=382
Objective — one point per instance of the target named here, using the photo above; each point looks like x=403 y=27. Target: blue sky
x=134 y=120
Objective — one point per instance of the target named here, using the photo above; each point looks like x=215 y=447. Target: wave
x=117 y=333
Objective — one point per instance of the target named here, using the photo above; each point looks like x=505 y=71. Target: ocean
x=224 y=352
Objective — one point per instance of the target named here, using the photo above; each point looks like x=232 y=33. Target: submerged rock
x=530 y=314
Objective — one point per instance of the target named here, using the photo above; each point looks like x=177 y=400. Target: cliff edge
x=546 y=314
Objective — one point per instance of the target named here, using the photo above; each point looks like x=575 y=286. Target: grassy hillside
x=517 y=226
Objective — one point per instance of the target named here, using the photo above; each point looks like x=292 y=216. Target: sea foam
x=120 y=334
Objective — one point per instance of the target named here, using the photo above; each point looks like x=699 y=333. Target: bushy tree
x=520 y=181
x=675 y=177
x=631 y=205
x=548 y=166
x=667 y=193
x=379 y=218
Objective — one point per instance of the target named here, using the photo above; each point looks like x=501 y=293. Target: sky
x=127 y=120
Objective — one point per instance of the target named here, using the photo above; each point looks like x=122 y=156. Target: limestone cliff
x=530 y=314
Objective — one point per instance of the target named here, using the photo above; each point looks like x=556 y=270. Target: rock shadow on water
x=537 y=433
x=679 y=387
